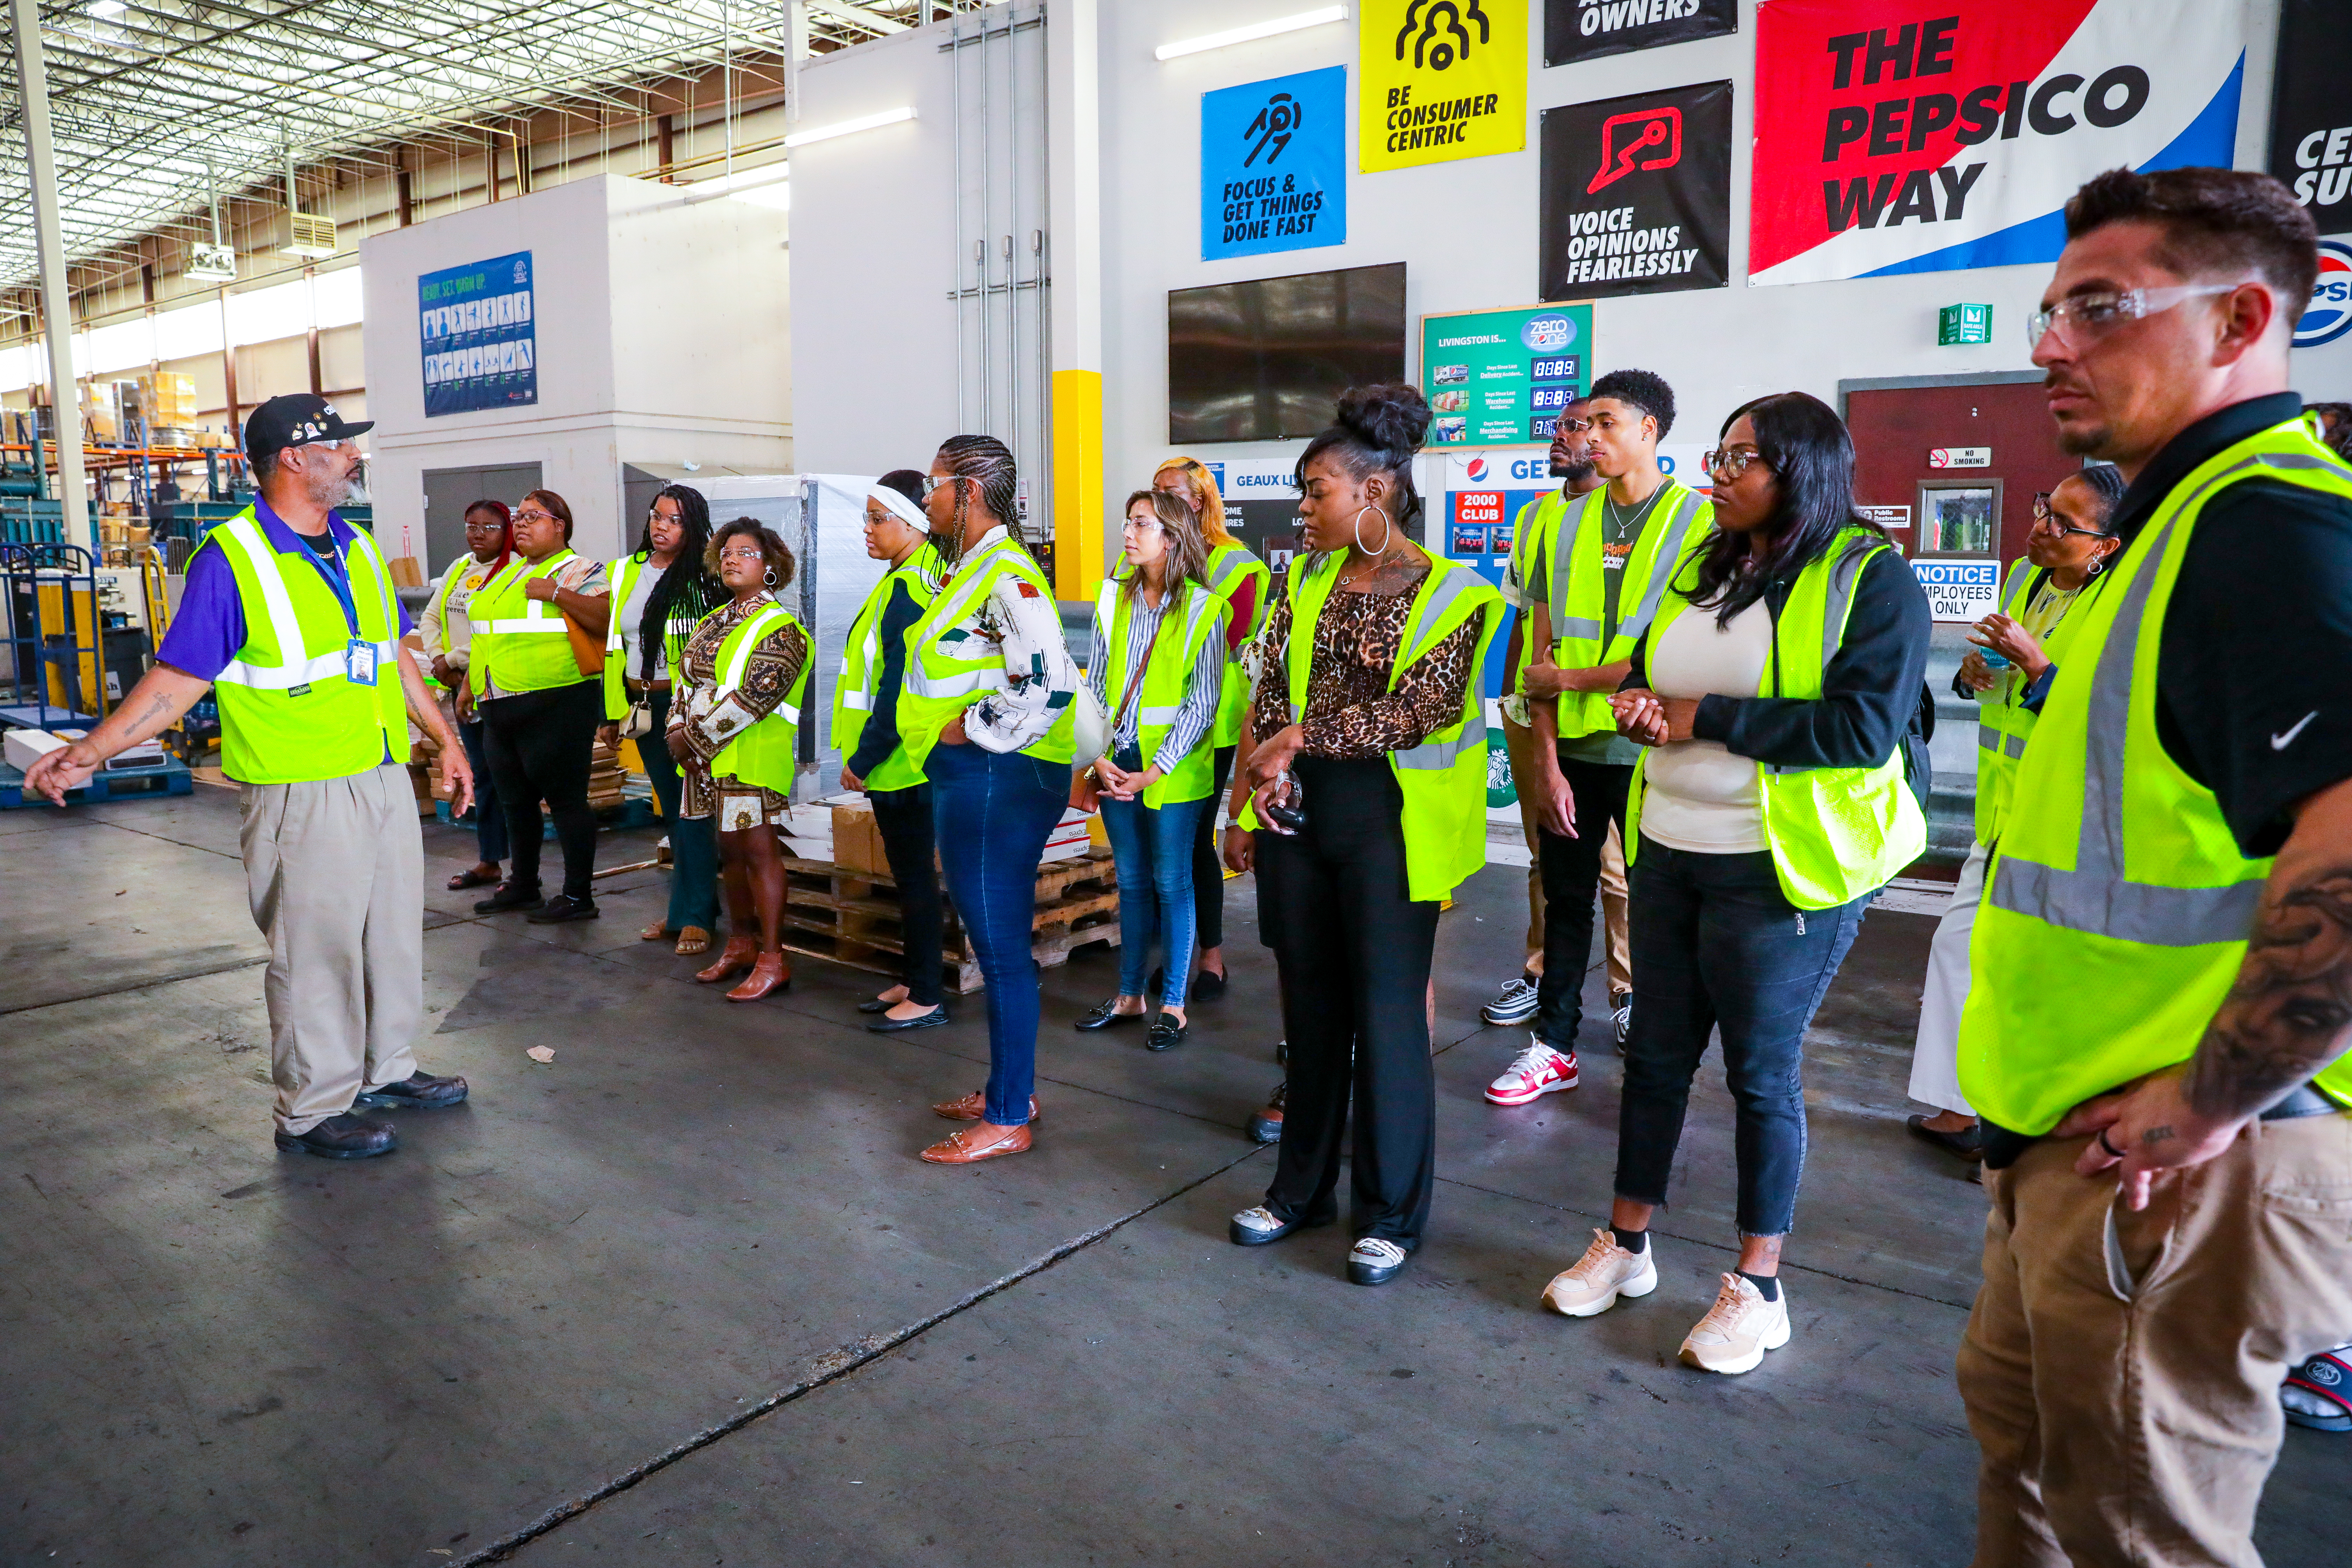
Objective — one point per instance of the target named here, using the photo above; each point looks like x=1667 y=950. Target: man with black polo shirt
x=2162 y=967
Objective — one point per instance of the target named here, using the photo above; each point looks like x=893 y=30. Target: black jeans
x=539 y=744
x=903 y=818
x=1716 y=942
x=1353 y=951
x=1208 y=866
x=693 y=842
x=1571 y=884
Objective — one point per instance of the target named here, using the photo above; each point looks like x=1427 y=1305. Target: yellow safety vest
x=948 y=670
x=763 y=752
x=290 y=711
x=519 y=642
x=861 y=668
x=1230 y=566
x=622 y=578
x=1574 y=589
x=2117 y=905
x=2003 y=722
x=1165 y=677
x=1835 y=833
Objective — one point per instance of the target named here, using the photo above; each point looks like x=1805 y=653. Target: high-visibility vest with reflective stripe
x=2117 y=905
x=519 y=642
x=948 y=669
x=1230 y=566
x=1835 y=833
x=1444 y=778
x=861 y=668
x=1166 y=675
x=289 y=713
x=763 y=752
x=2003 y=722
x=1575 y=590
x=622 y=575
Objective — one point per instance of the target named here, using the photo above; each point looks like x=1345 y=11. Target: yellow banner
x=1442 y=79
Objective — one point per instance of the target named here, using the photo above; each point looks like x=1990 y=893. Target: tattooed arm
x=154 y=706
x=2287 y=1017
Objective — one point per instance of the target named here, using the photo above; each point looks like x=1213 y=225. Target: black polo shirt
x=2253 y=685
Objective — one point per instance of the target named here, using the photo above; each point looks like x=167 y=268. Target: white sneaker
x=1621 y=1014
x=1535 y=1072
x=1515 y=1003
x=1605 y=1272
x=1738 y=1328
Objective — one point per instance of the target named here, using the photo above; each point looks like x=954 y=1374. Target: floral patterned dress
x=710 y=722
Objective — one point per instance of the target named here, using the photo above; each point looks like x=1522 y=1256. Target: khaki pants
x=335 y=872
x=2140 y=1431
x=1519 y=741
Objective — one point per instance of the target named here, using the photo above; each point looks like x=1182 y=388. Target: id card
x=358 y=662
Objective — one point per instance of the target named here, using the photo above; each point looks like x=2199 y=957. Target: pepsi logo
x=2330 y=315
x=1476 y=470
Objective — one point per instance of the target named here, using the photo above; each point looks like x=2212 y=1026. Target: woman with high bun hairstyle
x=985 y=715
x=1367 y=790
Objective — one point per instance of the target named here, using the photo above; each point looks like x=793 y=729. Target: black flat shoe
x=875 y=1004
x=1165 y=1034
x=1967 y=1145
x=511 y=896
x=931 y=1020
x=419 y=1091
x=561 y=908
x=344 y=1137
x=1207 y=985
x=1108 y=1016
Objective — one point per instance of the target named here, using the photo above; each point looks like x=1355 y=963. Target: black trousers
x=539 y=744
x=1571 y=887
x=1354 y=952
x=1208 y=866
x=903 y=816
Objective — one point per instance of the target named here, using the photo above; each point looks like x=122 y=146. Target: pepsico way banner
x=1926 y=136
x=1440 y=80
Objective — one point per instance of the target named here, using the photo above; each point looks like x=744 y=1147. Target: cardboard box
x=857 y=841
x=405 y=571
x=25 y=747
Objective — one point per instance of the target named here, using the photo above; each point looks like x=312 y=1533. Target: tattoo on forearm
x=2286 y=1016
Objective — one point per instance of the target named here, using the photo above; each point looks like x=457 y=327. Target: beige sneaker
x=1605 y=1272
x=1738 y=1328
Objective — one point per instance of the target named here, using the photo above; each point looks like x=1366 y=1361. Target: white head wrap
x=906 y=511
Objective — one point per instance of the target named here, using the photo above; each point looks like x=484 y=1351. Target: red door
x=1958 y=466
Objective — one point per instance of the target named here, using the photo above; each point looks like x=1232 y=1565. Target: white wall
x=664 y=336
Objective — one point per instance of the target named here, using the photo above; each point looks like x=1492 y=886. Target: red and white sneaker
x=1536 y=1071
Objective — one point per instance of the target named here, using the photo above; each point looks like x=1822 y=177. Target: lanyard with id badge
x=359 y=653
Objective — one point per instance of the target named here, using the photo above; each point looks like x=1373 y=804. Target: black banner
x=2311 y=111
x=1587 y=29
x=1637 y=194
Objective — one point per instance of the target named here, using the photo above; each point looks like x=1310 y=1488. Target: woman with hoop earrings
x=1368 y=795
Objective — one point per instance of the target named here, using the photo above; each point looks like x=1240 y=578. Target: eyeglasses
x=1566 y=426
x=657 y=515
x=492 y=526
x=2045 y=513
x=1143 y=525
x=2083 y=319
x=533 y=514
x=753 y=554
x=933 y=481
x=1727 y=463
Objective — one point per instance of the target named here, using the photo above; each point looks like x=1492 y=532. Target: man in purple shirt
x=289 y=611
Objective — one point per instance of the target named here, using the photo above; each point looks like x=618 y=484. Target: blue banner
x=481 y=347
x=1273 y=172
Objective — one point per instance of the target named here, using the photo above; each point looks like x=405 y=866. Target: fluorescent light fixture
x=767 y=186
x=849 y=127
x=1254 y=32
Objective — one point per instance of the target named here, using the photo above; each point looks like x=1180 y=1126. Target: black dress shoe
x=1376 y=1260
x=1165 y=1034
x=1108 y=1016
x=418 y=1091
x=875 y=1004
x=561 y=908
x=931 y=1020
x=1266 y=1124
x=1260 y=1226
x=344 y=1137
x=511 y=896
x=1207 y=985
x=1967 y=1145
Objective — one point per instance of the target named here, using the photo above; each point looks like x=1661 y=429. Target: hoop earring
x=768 y=577
x=1388 y=530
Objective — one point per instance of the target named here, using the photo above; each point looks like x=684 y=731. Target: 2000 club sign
x=1928 y=135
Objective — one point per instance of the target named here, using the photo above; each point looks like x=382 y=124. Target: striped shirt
x=1194 y=713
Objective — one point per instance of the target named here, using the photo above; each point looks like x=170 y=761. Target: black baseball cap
x=296 y=419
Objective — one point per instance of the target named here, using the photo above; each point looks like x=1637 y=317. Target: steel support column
x=57 y=303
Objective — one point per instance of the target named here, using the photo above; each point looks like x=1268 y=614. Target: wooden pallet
x=852 y=917
x=169 y=776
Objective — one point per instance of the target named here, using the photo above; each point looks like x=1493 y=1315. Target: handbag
x=639 y=722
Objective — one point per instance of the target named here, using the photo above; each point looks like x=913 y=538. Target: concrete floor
x=537 y=1333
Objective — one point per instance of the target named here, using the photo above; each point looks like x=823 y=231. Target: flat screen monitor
x=1268 y=358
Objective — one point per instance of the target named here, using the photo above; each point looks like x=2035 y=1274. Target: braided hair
x=685 y=591
x=989 y=462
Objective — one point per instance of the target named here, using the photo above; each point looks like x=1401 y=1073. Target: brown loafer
x=972 y=1107
x=692 y=943
x=739 y=953
x=655 y=931
x=769 y=972
x=966 y=1147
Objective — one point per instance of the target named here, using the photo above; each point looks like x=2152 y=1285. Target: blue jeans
x=992 y=813
x=489 y=816
x=1717 y=943
x=1152 y=848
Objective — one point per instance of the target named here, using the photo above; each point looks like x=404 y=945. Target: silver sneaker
x=1514 y=1004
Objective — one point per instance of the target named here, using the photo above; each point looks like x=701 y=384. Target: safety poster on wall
x=1273 y=164
x=480 y=341
x=1440 y=80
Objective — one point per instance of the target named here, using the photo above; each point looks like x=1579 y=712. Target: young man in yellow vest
x=1600 y=570
x=2162 y=966
x=289 y=612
